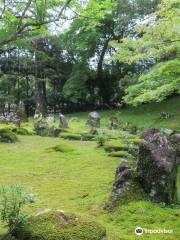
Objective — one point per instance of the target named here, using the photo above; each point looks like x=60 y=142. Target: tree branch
x=24 y=12
x=22 y=28
x=3 y=10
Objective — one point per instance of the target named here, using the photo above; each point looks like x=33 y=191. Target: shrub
x=12 y=201
x=116 y=145
x=101 y=139
x=6 y=135
x=55 y=225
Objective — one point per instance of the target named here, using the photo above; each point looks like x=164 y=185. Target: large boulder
x=156 y=167
x=55 y=225
x=93 y=119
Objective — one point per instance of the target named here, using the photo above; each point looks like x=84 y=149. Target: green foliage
x=101 y=138
x=6 y=135
x=55 y=225
x=12 y=201
x=158 y=41
x=75 y=88
x=161 y=81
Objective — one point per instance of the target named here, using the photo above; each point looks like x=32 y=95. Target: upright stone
x=93 y=119
x=156 y=167
x=122 y=180
x=63 y=121
x=113 y=124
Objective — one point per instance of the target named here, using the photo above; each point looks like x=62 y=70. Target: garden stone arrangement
x=89 y=120
x=147 y=170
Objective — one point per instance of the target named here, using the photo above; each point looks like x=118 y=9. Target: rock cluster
x=156 y=168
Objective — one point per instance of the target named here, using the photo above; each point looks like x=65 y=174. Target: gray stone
x=156 y=167
x=93 y=119
x=175 y=140
x=122 y=178
x=63 y=121
x=113 y=123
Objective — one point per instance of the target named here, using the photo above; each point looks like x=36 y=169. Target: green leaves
x=161 y=81
x=12 y=201
x=157 y=39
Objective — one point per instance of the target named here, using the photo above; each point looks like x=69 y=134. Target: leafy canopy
x=156 y=41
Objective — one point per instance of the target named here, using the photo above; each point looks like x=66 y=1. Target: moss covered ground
x=78 y=178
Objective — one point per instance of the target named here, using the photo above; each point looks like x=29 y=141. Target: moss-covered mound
x=115 y=145
x=21 y=131
x=63 y=147
x=55 y=225
x=87 y=136
x=71 y=136
x=82 y=136
x=121 y=154
x=6 y=135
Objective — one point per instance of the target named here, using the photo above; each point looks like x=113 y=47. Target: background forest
x=88 y=54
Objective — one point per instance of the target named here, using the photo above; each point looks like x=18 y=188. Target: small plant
x=12 y=201
x=101 y=139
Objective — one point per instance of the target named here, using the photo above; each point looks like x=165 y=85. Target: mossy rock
x=111 y=146
x=71 y=136
x=21 y=131
x=55 y=225
x=6 y=135
x=121 y=154
x=63 y=147
x=87 y=136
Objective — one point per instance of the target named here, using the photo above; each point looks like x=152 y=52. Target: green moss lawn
x=79 y=179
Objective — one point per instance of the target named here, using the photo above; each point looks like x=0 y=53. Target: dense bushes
x=55 y=225
x=6 y=135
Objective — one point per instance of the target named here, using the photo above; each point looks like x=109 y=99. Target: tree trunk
x=100 y=80
x=41 y=105
x=40 y=86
